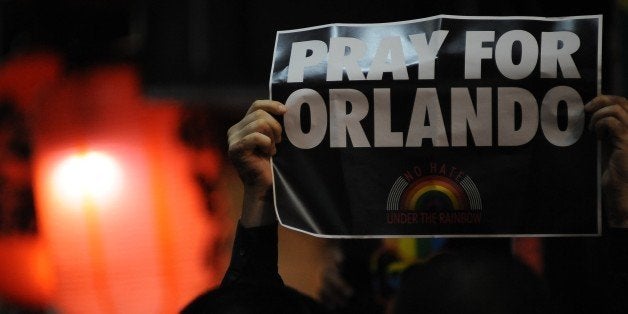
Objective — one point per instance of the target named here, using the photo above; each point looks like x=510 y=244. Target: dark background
x=219 y=52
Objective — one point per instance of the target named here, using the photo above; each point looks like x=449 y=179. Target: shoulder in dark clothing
x=252 y=284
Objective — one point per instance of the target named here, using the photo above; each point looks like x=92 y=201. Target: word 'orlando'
x=517 y=113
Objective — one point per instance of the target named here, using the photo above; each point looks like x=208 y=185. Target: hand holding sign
x=610 y=122
x=251 y=144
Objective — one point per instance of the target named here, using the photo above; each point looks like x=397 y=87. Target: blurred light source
x=91 y=175
x=117 y=207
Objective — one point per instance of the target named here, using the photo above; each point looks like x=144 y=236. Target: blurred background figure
x=472 y=281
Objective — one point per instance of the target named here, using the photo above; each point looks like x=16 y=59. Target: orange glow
x=93 y=175
x=25 y=271
x=530 y=252
x=116 y=200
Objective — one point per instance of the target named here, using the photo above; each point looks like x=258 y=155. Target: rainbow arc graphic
x=432 y=193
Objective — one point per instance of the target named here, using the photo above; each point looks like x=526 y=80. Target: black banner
x=449 y=126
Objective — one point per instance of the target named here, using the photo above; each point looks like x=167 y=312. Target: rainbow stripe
x=421 y=193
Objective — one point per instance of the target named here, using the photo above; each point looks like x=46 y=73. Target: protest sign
x=444 y=126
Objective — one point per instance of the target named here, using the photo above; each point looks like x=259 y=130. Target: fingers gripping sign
x=252 y=142
x=609 y=120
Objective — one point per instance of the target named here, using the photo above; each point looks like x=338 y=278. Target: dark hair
x=251 y=299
